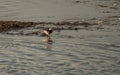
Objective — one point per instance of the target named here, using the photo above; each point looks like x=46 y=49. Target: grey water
x=79 y=52
x=54 y=10
x=89 y=51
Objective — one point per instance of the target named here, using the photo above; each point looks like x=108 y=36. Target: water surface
x=79 y=52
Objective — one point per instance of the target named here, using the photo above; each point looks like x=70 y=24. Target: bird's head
x=50 y=28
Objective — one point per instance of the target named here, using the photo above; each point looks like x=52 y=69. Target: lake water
x=79 y=52
x=53 y=10
x=89 y=51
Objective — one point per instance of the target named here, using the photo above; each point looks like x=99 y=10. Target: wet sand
x=85 y=38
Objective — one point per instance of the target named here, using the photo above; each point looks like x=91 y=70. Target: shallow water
x=82 y=52
x=54 y=10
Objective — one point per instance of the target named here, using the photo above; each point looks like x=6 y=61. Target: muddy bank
x=63 y=25
x=11 y=25
x=69 y=25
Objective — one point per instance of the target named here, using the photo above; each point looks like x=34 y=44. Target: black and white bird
x=48 y=31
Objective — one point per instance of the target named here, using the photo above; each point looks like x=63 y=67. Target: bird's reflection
x=48 y=43
x=48 y=40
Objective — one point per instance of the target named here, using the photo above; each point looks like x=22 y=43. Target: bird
x=48 y=31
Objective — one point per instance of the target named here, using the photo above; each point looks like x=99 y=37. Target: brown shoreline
x=10 y=25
